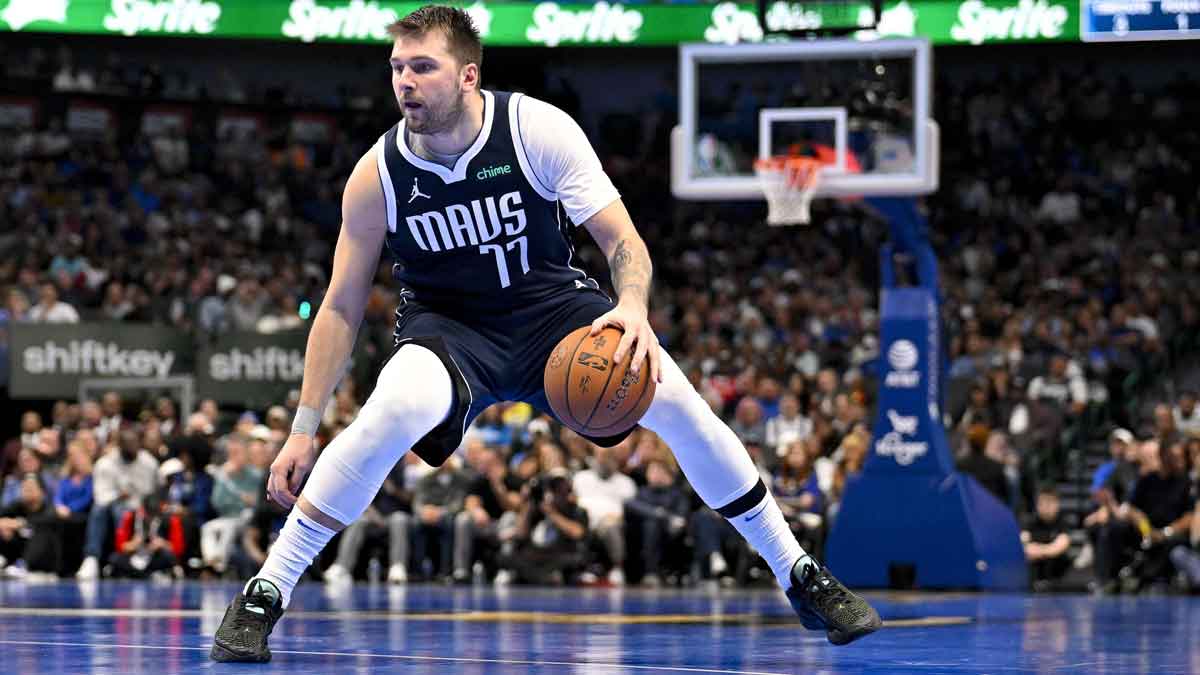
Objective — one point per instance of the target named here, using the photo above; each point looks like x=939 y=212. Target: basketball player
x=467 y=193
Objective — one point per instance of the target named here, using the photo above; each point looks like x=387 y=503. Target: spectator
x=1187 y=415
x=748 y=423
x=247 y=306
x=116 y=305
x=148 y=543
x=113 y=419
x=73 y=498
x=262 y=449
x=850 y=464
x=800 y=497
x=279 y=421
x=1056 y=402
x=1119 y=473
x=236 y=485
x=257 y=536
x=343 y=407
x=50 y=309
x=168 y=417
x=28 y=461
x=1021 y=493
x=122 y=479
x=31 y=428
x=153 y=443
x=494 y=495
x=29 y=540
x=49 y=450
x=549 y=538
x=790 y=425
x=189 y=491
x=1060 y=205
x=662 y=509
x=1046 y=542
x=1154 y=519
x=16 y=303
x=1165 y=431
x=437 y=499
x=979 y=409
x=490 y=428
x=73 y=502
x=602 y=492
x=390 y=516
x=982 y=468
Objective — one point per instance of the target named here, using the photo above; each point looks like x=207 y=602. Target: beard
x=435 y=117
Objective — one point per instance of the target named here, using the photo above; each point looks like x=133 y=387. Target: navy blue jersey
x=477 y=239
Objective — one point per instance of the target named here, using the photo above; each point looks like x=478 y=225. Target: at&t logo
x=902 y=356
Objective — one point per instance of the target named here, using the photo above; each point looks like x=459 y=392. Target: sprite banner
x=541 y=23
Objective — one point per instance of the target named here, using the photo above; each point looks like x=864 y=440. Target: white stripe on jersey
x=514 y=125
x=389 y=190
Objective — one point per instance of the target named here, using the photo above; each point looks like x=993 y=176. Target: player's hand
x=639 y=337
x=289 y=469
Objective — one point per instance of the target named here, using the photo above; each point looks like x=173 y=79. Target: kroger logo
x=892 y=444
x=902 y=356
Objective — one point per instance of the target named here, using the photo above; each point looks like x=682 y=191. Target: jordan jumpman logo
x=416 y=192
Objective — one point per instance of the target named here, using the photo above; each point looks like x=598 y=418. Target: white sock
x=719 y=468
x=299 y=542
x=413 y=395
x=764 y=526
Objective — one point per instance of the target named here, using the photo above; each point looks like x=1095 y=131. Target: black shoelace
x=822 y=590
x=248 y=618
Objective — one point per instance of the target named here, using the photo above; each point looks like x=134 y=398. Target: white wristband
x=306 y=421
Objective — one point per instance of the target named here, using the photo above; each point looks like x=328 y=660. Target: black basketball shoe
x=823 y=603
x=247 y=623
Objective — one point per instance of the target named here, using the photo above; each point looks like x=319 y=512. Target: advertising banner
x=49 y=360
x=251 y=369
x=541 y=23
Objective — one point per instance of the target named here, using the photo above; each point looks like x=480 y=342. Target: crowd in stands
x=1067 y=242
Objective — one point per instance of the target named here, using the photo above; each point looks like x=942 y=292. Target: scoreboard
x=1118 y=20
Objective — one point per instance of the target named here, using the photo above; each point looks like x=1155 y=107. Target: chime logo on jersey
x=459 y=225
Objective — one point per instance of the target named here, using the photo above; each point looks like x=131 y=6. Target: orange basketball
x=590 y=393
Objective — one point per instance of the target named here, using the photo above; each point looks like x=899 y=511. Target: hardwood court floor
x=127 y=627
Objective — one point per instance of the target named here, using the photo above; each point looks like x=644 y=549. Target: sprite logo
x=354 y=20
x=130 y=17
x=603 y=22
x=1027 y=20
x=20 y=13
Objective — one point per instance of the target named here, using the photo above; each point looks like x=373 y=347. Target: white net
x=789 y=184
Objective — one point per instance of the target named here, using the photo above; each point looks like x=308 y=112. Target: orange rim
x=800 y=171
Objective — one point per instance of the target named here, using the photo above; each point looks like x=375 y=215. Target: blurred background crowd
x=1066 y=232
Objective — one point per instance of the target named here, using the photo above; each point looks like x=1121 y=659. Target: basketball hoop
x=790 y=183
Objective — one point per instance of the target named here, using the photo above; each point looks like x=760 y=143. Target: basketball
x=588 y=391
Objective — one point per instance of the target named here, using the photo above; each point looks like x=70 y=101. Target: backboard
x=862 y=107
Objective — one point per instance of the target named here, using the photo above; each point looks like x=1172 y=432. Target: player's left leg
x=722 y=473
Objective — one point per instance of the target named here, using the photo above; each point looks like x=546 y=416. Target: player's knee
x=675 y=399
x=414 y=391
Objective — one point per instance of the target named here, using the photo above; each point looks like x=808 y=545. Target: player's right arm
x=335 y=327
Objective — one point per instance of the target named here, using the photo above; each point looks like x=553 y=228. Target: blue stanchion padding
x=909 y=506
x=951 y=530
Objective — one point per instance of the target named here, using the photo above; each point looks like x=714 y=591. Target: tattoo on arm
x=631 y=270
